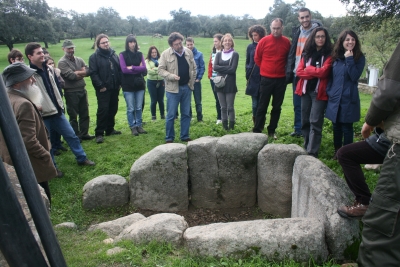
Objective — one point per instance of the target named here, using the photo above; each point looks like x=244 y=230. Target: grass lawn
x=117 y=154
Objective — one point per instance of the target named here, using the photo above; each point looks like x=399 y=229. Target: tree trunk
x=46 y=44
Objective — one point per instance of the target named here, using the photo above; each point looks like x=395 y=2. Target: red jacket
x=210 y=68
x=311 y=72
x=271 y=56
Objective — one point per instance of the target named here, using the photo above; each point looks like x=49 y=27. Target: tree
x=182 y=22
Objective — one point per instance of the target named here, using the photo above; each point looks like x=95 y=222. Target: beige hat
x=68 y=44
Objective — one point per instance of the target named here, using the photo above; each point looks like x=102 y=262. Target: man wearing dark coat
x=25 y=100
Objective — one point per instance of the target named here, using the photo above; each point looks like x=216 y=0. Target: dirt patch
x=195 y=216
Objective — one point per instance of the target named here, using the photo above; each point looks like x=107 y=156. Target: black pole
x=28 y=182
x=18 y=244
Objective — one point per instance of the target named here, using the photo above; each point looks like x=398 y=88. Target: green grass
x=117 y=154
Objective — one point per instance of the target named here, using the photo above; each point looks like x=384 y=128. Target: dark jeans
x=197 y=101
x=380 y=244
x=106 y=110
x=217 y=105
x=343 y=134
x=77 y=105
x=156 y=96
x=350 y=157
x=296 y=107
x=275 y=88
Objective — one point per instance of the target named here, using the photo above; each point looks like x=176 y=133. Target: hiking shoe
x=272 y=136
x=141 y=130
x=99 y=139
x=296 y=134
x=86 y=162
x=356 y=211
x=218 y=122
x=372 y=166
x=87 y=137
x=134 y=131
x=153 y=118
x=114 y=132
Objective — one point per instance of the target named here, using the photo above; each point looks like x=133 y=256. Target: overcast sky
x=159 y=9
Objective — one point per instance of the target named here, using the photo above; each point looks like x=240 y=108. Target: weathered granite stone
x=275 y=169
x=159 y=179
x=317 y=193
x=237 y=169
x=105 y=191
x=280 y=239
x=163 y=227
x=115 y=250
x=70 y=225
x=115 y=227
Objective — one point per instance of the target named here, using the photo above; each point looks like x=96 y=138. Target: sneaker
x=59 y=173
x=141 y=130
x=114 y=132
x=86 y=162
x=372 y=166
x=99 y=139
x=356 y=211
x=296 y=134
x=134 y=131
x=272 y=136
x=87 y=137
x=153 y=118
x=218 y=122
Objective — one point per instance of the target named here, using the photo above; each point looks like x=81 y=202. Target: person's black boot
x=231 y=125
x=225 y=125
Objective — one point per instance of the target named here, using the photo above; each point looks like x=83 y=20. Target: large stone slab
x=317 y=193
x=115 y=227
x=105 y=191
x=163 y=227
x=159 y=179
x=274 y=170
x=279 y=239
x=237 y=169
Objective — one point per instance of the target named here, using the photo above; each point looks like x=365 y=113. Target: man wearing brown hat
x=73 y=70
x=25 y=98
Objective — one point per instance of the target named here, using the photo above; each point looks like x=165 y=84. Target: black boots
x=225 y=125
x=231 y=125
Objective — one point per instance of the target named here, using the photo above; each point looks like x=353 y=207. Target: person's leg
x=103 y=102
x=217 y=104
x=172 y=108
x=254 y=105
x=224 y=110
x=296 y=107
x=160 y=98
x=138 y=107
x=151 y=86
x=129 y=100
x=186 y=97
x=316 y=124
x=263 y=103
x=380 y=244
x=84 y=119
x=197 y=100
x=62 y=126
x=230 y=103
x=348 y=133
x=350 y=157
x=278 y=93
x=72 y=102
x=48 y=123
x=306 y=104
x=337 y=135
x=112 y=110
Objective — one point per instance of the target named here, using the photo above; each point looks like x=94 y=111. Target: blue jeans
x=197 y=101
x=343 y=134
x=156 y=96
x=296 y=107
x=312 y=120
x=182 y=98
x=61 y=125
x=217 y=105
x=134 y=102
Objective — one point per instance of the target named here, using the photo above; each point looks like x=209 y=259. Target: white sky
x=159 y=9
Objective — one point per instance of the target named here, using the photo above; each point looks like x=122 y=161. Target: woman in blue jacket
x=343 y=99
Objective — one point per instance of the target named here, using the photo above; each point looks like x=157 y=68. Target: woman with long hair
x=155 y=83
x=133 y=84
x=225 y=64
x=211 y=73
x=314 y=71
x=256 y=33
x=343 y=107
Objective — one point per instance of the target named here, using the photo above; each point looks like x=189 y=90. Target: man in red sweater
x=271 y=56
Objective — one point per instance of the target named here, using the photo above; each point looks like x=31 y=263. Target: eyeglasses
x=305 y=17
x=320 y=36
x=106 y=42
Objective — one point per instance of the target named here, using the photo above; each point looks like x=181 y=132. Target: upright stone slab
x=237 y=169
x=317 y=193
x=280 y=239
x=275 y=169
x=159 y=179
x=203 y=172
x=105 y=191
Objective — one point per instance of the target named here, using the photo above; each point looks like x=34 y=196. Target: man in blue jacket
x=198 y=58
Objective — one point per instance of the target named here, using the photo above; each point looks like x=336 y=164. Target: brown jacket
x=35 y=137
